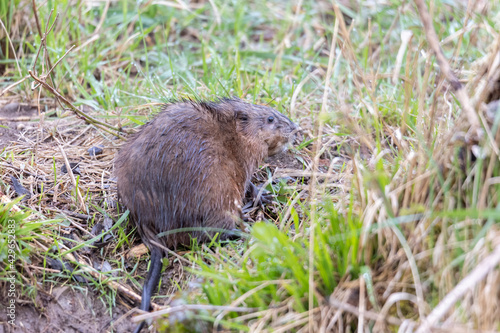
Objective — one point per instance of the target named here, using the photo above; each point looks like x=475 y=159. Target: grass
x=386 y=214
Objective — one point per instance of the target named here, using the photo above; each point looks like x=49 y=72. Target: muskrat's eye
x=270 y=119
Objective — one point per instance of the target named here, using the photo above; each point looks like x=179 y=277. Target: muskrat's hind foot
x=151 y=282
x=231 y=235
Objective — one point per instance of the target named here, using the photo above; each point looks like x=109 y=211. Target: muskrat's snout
x=285 y=136
x=296 y=129
x=291 y=133
x=294 y=137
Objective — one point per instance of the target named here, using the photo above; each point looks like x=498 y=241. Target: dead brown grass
x=426 y=274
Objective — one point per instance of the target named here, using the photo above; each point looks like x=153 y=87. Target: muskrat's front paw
x=258 y=196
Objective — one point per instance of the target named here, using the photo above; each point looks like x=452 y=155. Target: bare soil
x=69 y=310
x=72 y=307
x=14 y=118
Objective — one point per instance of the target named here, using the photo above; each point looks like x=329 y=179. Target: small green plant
x=17 y=240
x=13 y=235
x=274 y=269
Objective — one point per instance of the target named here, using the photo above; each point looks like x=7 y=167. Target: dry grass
x=384 y=139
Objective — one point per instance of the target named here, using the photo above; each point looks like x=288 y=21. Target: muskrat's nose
x=295 y=135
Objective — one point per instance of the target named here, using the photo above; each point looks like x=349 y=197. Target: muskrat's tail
x=151 y=282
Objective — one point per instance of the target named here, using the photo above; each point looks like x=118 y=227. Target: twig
x=72 y=176
x=46 y=54
x=457 y=87
x=42 y=80
x=60 y=59
x=80 y=113
x=42 y=36
x=471 y=280
x=187 y=307
x=43 y=77
x=92 y=39
x=77 y=215
x=14 y=84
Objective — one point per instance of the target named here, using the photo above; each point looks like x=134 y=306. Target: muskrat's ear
x=241 y=115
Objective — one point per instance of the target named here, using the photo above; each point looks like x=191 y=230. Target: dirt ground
x=14 y=119
x=77 y=307
x=69 y=310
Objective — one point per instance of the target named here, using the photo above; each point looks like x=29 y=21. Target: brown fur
x=191 y=165
x=190 y=168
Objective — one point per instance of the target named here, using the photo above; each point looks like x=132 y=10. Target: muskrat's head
x=266 y=125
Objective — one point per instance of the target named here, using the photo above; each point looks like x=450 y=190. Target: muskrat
x=190 y=167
